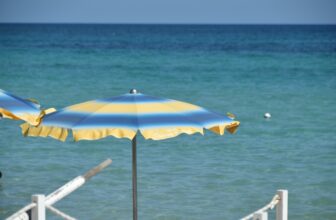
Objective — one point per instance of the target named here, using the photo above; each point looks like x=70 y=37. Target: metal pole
x=134 y=179
x=74 y=184
x=39 y=212
x=282 y=206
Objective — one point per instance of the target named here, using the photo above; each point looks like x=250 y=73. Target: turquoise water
x=289 y=71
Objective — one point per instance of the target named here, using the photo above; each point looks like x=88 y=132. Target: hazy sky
x=170 y=11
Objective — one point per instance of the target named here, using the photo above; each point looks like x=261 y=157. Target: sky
x=169 y=11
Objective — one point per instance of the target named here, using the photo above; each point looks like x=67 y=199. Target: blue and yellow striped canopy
x=16 y=108
x=123 y=116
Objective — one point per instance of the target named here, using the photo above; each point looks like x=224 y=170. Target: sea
x=288 y=71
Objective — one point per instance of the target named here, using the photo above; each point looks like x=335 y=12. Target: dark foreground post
x=134 y=179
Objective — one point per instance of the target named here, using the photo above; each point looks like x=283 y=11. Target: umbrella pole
x=134 y=179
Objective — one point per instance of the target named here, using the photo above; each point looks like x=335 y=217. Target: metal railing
x=36 y=210
x=40 y=203
x=280 y=201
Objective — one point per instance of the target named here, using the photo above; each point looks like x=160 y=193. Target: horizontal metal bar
x=23 y=210
x=270 y=205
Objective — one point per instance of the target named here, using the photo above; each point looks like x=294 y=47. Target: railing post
x=260 y=216
x=282 y=206
x=39 y=212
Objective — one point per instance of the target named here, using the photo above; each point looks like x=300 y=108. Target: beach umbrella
x=126 y=115
x=14 y=107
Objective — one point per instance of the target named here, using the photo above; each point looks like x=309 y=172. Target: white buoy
x=267 y=115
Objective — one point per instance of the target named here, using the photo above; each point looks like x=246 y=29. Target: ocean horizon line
x=168 y=24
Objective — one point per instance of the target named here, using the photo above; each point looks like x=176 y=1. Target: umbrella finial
x=133 y=91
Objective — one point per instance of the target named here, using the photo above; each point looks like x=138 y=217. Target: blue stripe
x=11 y=101
x=135 y=114
x=206 y=117
x=133 y=98
x=16 y=106
x=76 y=120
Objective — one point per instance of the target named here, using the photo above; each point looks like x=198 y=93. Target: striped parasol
x=126 y=115
x=16 y=108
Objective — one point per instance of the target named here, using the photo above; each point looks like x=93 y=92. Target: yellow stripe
x=231 y=127
x=44 y=131
x=143 y=108
x=94 y=134
x=31 y=119
x=7 y=114
x=165 y=133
